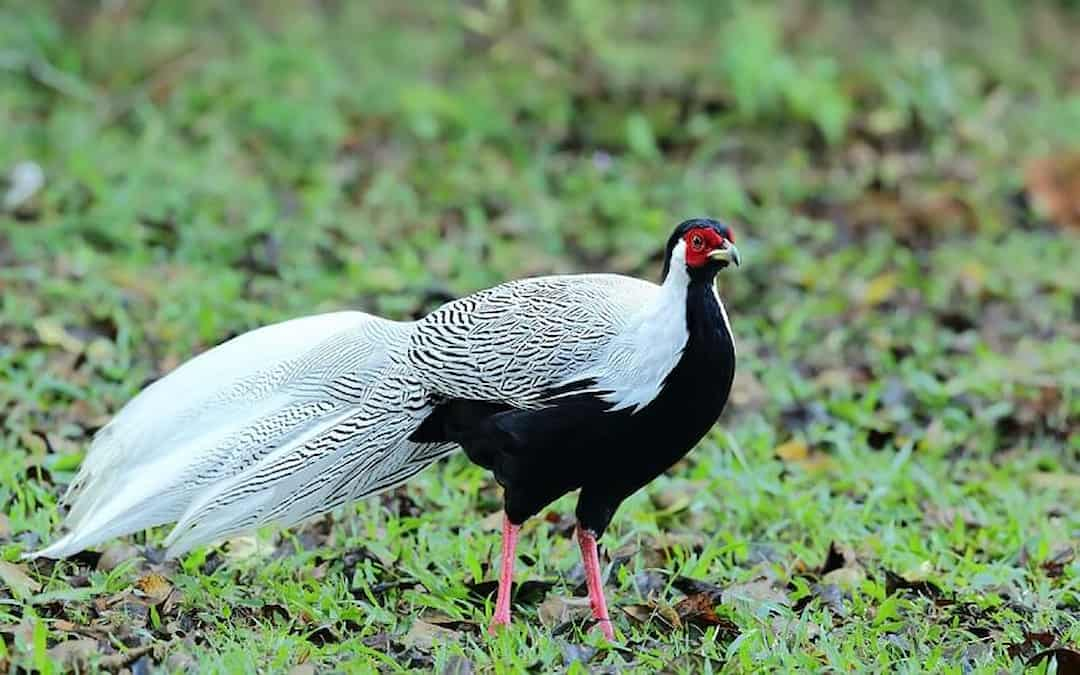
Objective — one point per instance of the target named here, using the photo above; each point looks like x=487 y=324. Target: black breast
x=539 y=455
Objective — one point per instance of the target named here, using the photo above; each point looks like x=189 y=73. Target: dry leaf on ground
x=1068 y=660
x=556 y=610
x=1053 y=183
x=424 y=635
x=73 y=655
x=15 y=578
x=154 y=587
x=758 y=591
x=114 y=554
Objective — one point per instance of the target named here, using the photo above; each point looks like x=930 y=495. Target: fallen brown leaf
x=669 y=614
x=74 y=655
x=64 y=626
x=445 y=621
x=556 y=610
x=126 y=658
x=15 y=578
x=22 y=632
x=1055 y=565
x=35 y=445
x=846 y=578
x=894 y=582
x=154 y=587
x=1068 y=660
x=758 y=591
x=115 y=554
x=425 y=636
x=645 y=613
x=638 y=612
x=699 y=609
x=1053 y=183
x=946 y=516
x=1032 y=641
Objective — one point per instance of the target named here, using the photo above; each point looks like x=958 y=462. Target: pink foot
x=605 y=627
x=506 y=577
x=498 y=621
x=594 y=580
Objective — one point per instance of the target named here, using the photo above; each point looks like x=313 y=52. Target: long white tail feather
x=274 y=426
x=295 y=483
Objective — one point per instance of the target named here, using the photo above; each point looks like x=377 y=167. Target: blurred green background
x=904 y=180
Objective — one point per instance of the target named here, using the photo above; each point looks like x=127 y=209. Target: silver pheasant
x=295 y=419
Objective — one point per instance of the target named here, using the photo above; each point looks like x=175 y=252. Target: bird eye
x=696 y=242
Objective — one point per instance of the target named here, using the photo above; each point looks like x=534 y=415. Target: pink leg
x=506 y=576
x=591 y=558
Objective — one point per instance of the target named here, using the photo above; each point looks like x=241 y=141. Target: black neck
x=708 y=335
x=686 y=408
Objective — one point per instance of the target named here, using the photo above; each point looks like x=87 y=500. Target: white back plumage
x=295 y=419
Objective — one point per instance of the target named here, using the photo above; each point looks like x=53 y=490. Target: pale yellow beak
x=728 y=254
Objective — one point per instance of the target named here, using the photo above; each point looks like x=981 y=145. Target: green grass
x=907 y=322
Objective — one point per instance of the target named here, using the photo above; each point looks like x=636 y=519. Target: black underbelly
x=538 y=446
x=578 y=443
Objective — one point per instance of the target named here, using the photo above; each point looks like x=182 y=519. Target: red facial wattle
x=702 y=241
